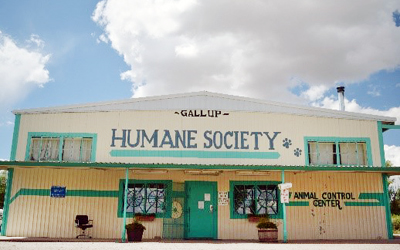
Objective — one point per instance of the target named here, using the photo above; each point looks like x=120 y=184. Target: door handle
x=211 y=208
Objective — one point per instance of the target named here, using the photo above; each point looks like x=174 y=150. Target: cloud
x=392 y=153
x=331 y=102
x=373 y=91
x=252 y=48
x=21 y=69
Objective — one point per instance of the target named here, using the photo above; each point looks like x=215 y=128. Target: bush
x=135 y=225
x=264 y=223
x=396 y=222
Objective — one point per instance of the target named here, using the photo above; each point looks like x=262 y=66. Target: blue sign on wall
x=58 y=192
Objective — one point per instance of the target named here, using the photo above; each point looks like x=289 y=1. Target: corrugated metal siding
x=42 y=216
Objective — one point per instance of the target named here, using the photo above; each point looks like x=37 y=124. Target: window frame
x=61 y=136
x=336 y=141
x=168 y=197
x=232 y=184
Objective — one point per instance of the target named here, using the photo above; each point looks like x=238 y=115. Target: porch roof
x=115 y=165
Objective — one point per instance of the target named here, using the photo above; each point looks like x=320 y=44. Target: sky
x=70 y=52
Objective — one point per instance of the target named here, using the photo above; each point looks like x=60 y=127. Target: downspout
x=125 y=205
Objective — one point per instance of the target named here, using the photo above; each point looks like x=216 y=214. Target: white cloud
x=21 y=69
x=252 y=48
x=331 y=102
x=392 y=153
x=314 y=93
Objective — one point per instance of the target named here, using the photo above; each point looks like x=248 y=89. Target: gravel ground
x=186 y=246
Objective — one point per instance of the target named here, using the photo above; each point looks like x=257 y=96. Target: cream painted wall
x=293 y=127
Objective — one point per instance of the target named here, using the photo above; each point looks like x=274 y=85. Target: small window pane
x=72 y=149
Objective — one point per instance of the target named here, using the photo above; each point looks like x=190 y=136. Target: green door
x=201 y=210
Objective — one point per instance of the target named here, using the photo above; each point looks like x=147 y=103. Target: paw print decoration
x=287 y=143
x=297 y=152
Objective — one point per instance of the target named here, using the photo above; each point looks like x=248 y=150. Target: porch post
x=125 y=204
x=284 y=212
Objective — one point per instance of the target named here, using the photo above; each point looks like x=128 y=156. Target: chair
x=83 y=222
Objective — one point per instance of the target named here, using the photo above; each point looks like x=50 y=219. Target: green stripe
x=15 y=137
x=298 y=204
x=7 y=201
x=194 y=154
x=386 y=200
x=367 y=196
x=70 y=193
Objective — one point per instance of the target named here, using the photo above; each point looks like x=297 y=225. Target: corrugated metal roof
x=204 y=100
x=116 y=165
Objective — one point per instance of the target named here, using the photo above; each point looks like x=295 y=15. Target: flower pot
x=268 y=235
x=149 y=217
x=135 y=235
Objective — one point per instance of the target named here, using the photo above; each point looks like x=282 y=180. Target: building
x=198 y=165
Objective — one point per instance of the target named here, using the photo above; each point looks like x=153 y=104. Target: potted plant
x=135 y=230
x=267 y=230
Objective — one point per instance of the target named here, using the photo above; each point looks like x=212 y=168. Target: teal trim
x=168 y=201
x=62 y=136
x=178 y=194
x=284 y=212
x=70 y=193
x=392 y=170
x=298 y=204
x=381 y=145
x=386 y=200
x=337 y=140
x=386 y=126
x=232 y=184
x=14 y=146
x=9 y=164
x=125 y=204
x=193 y=154
x=7 y=202
x=367 y=196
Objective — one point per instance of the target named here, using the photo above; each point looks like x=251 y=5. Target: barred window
x=337 y=153
x=69 y=149
x=255 y=199
x=146 y=198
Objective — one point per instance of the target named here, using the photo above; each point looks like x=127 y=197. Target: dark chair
x=83 y=222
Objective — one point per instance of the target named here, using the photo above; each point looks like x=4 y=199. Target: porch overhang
x=122 y=166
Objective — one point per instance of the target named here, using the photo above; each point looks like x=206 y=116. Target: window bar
x=145 y=199
x=255 y=189
x=80 y=150
x=40 y=148
x=338 y=158
x=317 y=147
x=358 y=160
x=60 y=149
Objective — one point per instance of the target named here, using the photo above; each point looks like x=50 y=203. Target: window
x=57 y=147
x=338 y=151
x=254 y=198
x=146 y=197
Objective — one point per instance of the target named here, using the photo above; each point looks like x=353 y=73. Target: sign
x=284 y=195
x=284 y=187
x=200 y=113
x=58 y=192
x=223 y=198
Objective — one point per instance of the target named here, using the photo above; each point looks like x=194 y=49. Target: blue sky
x=68 y=52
